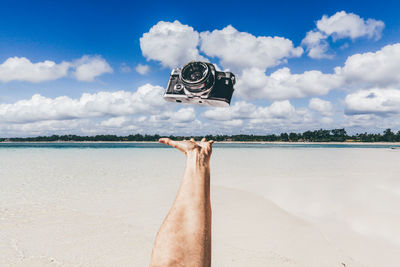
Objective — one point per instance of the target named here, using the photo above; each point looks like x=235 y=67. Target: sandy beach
x=271 y=207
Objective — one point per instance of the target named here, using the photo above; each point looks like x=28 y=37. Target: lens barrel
x=197 y=77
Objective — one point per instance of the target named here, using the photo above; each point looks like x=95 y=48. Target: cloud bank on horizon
x=361 y=93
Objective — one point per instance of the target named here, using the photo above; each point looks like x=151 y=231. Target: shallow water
x=60 y=145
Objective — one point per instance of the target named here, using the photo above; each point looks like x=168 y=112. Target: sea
x=116 y=145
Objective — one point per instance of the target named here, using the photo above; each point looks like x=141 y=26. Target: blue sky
x=72 y=66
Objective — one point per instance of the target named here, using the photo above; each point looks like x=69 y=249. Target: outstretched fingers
x=166 y=141
x=187 y=145
x=204 y=140
x=206 y=144
x=172 y=143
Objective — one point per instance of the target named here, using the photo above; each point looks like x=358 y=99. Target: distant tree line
x=335 y=135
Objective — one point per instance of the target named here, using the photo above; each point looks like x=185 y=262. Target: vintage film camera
x=200 y=83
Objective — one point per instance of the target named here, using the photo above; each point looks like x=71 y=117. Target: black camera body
x=200 y=83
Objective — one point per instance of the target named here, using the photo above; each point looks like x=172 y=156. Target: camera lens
x=197 y=77
x=194 y=72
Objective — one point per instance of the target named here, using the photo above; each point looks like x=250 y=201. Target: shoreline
x=219 y=142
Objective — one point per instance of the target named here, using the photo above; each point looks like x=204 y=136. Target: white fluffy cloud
x=180 y=116
x=338 y=26
x=249 y=117
x=238 y=50
x=245 y=110
x=240 y=110
x=22 y=69
x=278 y=109
x=180 y=122
x=115 y=122
x=89 y=67
x=362 y=120
x=142 y=69
x=368 y=70
x=322 y=106
x=375 y=122
x=317 y=45
x=46 y=127
x=171 y=43
x=146 y=99
x=377 y=104
x=233 y=123
x=373 y=69
x=120 y=112
x=282 y=84
x=373 y=101
x=174 y=44
x=343 y=25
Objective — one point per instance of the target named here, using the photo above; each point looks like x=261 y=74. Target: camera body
x=200 y=83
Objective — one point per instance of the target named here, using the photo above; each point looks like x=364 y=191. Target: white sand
x=271 y=207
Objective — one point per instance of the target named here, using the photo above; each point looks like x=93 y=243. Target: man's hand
x=201 y=149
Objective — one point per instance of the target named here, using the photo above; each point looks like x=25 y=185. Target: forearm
x=186 y=231
x=195 y=186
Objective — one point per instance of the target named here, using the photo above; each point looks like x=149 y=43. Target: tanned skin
x=184 y=238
